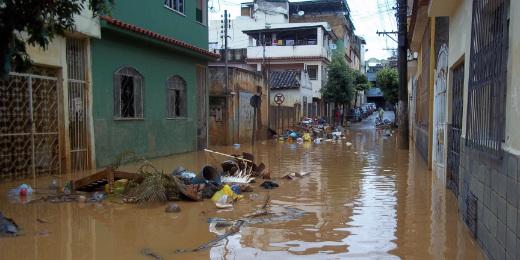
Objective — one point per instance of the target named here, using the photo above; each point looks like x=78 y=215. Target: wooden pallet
x=101 y=178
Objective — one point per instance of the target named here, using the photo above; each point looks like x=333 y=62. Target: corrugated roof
x=284 y=79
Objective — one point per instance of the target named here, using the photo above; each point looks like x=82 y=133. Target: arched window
x=176 y=103
x=128 y=93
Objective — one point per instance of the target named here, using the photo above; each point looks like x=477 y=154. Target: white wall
x=317 y=84
x=292 y=96
x=257 y=52
x=512 y=142
x=87 y=25
x=238 y=39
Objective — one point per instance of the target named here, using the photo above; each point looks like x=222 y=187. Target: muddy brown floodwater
x=364 y=201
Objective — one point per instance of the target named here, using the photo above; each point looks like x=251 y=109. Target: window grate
x=455 y=129
x=78 y=104
x=176 y=105
x=177 y=5
x=487 y=76
x=128 y=94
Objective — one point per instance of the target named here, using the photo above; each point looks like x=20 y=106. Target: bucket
x=209 y=173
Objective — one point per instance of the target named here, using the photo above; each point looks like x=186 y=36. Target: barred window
x=200 y=12
x=176 y=105
x=312 y=70
x=176 y=5
x=128 y=94
x=487 y=83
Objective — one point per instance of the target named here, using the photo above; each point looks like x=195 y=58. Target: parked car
x=354 y=115
x=364 y=112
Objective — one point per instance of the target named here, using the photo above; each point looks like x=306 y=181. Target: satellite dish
x=301 y=13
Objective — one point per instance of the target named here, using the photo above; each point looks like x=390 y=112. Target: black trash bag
x=209 y=190
x=269 y=185
x=7 y=226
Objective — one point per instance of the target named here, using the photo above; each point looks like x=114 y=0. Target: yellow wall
x=459 y=48
x=55 y=56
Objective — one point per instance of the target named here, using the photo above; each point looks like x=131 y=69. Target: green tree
x=387 y=79
x=340 y=82
x=361 y=83
x=36 y=22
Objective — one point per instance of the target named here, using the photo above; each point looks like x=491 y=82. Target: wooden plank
x=89 y=179
x=105 y=176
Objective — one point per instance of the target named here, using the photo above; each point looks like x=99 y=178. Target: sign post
x=255 y=102
x=279 y=98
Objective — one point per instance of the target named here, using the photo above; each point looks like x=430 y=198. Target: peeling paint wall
x=227 y=130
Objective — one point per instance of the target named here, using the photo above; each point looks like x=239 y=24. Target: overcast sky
x=368 y=16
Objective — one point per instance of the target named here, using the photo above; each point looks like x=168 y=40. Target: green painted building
x=149 y=79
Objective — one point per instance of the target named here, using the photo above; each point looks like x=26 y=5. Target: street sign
x=279 y=98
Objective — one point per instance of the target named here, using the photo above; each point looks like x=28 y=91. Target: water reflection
x=364 y=201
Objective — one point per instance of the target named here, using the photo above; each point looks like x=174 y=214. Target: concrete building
x=464 y=89
x=46 y=123
x=231 y=116
x=256 y=14
x=337 y=14
x=295 y=46
x=149 y=79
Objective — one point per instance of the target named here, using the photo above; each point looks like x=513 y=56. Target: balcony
x=257 y=52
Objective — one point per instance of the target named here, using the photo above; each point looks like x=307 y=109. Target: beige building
x=53 y=133
x=464 y=110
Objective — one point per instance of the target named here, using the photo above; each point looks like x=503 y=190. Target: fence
x=29 y=126
x=281 y=118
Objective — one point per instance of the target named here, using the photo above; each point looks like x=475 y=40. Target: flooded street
x=364 y=201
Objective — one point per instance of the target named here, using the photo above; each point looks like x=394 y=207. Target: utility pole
x=388 y=34
x=402 y=67
x=225 y=25
x=224 y=29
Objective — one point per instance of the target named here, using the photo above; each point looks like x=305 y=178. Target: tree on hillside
x=340 y=83
x=387 y=79
x=360 y=83
x=36 y=22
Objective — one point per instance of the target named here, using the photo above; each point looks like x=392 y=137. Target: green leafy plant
x=340 y=83
x=37 y=22
x=361 y=83
x=387 y=79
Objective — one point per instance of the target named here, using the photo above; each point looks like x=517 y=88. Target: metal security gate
x=78 y=105
x=439 y=108
x=455 y=129
x=488 y=76
x=29 y=126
